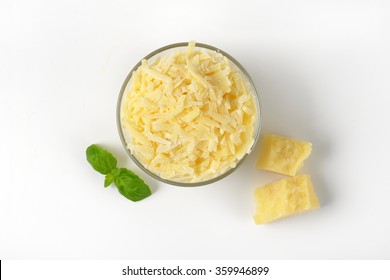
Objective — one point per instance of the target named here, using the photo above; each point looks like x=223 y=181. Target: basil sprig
x=127 y=182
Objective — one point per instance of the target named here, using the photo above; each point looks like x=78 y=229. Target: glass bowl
x=125 y=137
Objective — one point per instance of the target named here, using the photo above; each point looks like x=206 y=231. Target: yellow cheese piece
x=285 y=197
x=190 y=115
x=282 y=154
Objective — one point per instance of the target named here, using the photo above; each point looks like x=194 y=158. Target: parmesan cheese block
x=285 y=197
x=190 y=115
x=282 y=154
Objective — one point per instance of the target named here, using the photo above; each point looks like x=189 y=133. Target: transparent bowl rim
x=258 y=121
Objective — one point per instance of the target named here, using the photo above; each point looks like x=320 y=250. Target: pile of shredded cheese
x=190 y=115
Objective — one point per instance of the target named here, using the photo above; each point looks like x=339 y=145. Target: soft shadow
x=321 y=150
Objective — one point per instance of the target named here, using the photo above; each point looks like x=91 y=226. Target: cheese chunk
x=282 y=154
x=283 y=198
x=190 y=115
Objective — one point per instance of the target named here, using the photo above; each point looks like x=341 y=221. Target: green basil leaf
x=131 y=186
x=110 y=177
x=101 y=160
x=108 y=180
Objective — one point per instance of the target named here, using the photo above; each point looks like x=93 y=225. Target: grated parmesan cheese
x=190 y=115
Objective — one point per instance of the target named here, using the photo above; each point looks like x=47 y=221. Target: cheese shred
x=190 y=115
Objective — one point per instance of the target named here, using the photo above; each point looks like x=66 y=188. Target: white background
x=322 y=69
